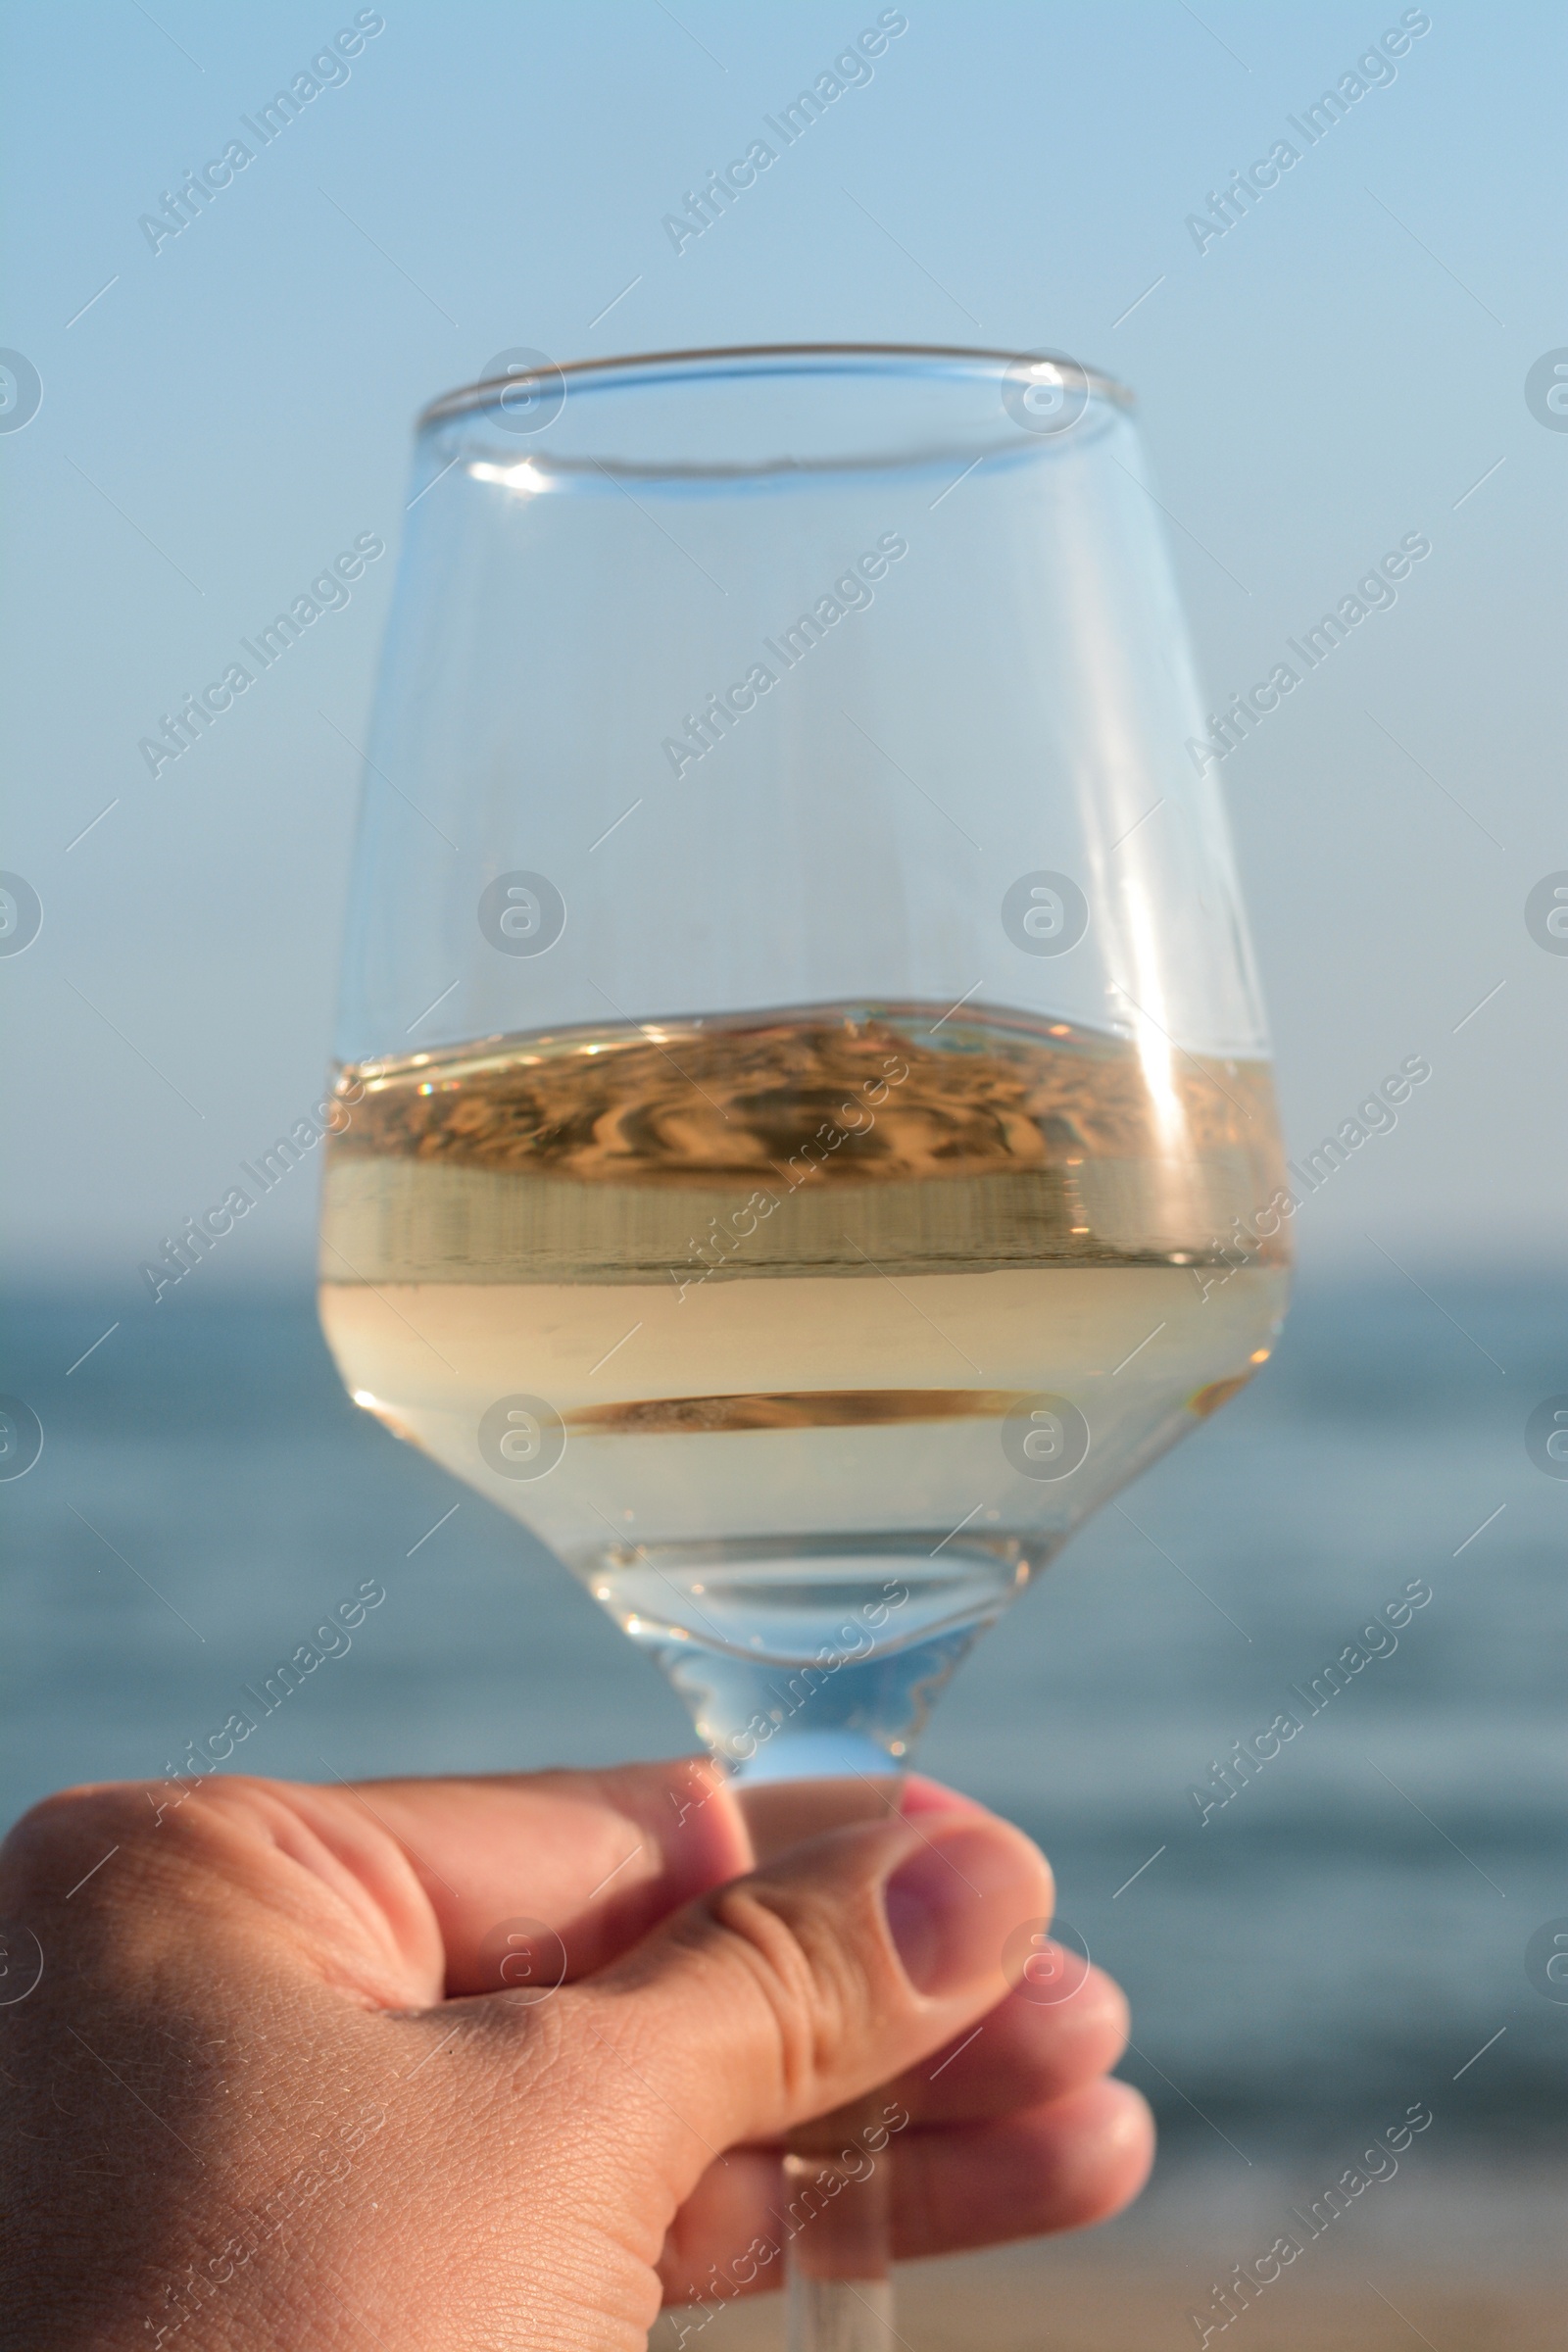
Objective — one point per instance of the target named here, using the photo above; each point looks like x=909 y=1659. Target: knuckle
x=153 y=1831
x=805 y=1971
x=60 y=1829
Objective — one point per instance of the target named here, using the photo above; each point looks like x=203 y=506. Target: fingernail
x=941 y=1909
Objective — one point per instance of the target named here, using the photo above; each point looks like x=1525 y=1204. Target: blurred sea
x=1346 y=1938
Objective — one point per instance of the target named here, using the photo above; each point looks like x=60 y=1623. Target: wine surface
x=805 y=1339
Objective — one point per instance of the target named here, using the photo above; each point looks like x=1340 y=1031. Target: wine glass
x=805 y=1133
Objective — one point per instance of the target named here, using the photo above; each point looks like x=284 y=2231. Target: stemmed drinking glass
x=806 y=1133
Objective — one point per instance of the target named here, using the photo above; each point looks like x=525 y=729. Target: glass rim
x=486 y=392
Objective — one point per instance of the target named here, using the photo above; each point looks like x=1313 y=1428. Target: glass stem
x=838 y=2197
x=838 y=2169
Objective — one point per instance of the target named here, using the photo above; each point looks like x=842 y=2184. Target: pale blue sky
x=1345 y=365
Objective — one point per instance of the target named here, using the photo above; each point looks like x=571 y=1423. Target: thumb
x=794 y=1990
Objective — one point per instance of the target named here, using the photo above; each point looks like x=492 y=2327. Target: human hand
x=265 y=2093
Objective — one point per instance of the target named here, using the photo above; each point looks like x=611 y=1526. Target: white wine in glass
x=805 y=1136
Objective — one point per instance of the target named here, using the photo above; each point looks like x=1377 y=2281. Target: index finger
x=593 y=1859
x=539 y=1879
